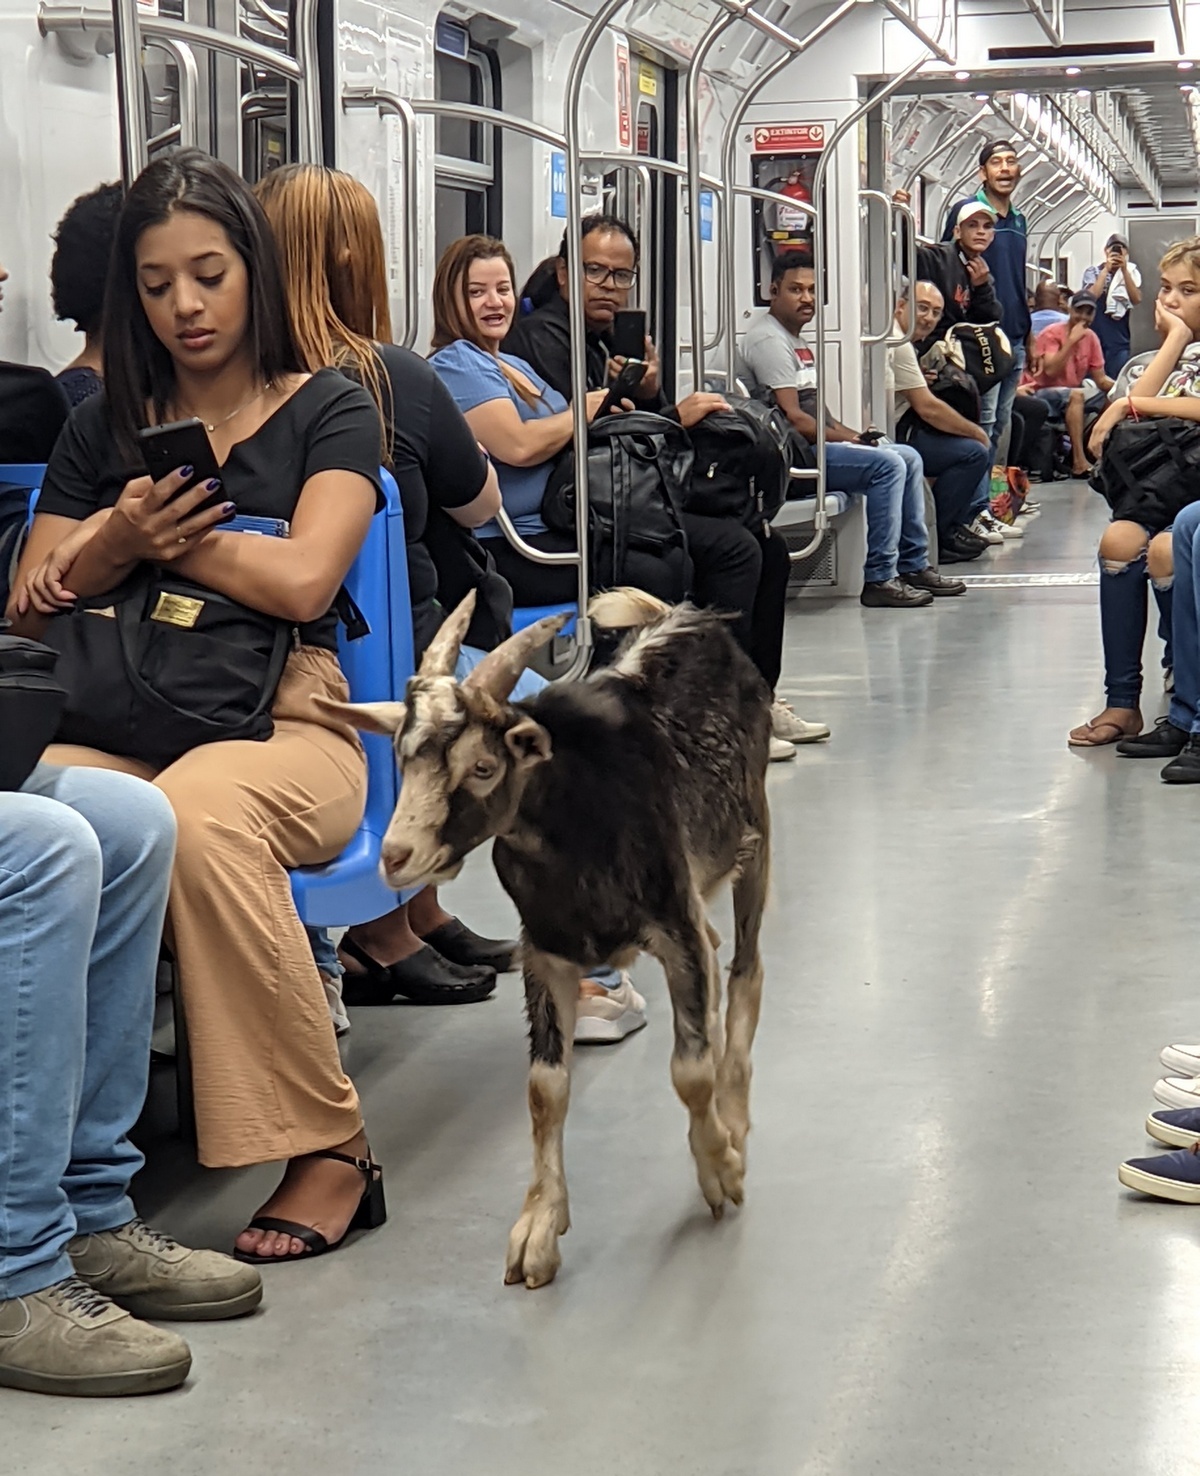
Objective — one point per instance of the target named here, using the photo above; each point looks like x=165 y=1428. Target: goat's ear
x=441 y=655
x=371 y=717
x=528 y=742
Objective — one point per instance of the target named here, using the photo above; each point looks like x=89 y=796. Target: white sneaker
x=989 y=531
x=994 y=525
x=337 y=1007
x=781 y=749
x=601 y=1019
x=1182 y=1060
x=792 y=729
x=1178 y=1091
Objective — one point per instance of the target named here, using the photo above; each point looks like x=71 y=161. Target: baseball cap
x=995 y=146
x=1082 y=300
x=1115 y=240
x=968 y=208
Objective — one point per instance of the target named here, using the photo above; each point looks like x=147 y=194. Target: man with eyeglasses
x=733 y=569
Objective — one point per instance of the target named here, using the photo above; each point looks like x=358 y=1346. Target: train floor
x=978 y=942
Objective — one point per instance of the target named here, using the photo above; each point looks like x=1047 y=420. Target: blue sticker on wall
x=558 y=185
x=706 y=215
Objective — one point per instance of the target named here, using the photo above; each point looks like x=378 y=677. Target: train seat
x=526 y=615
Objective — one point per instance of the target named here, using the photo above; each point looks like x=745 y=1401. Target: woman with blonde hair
x=330 y=242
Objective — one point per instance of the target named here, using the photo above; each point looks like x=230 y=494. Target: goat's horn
x=441 y=654
x=498 y=672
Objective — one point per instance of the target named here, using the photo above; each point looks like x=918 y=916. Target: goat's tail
x=619 y=609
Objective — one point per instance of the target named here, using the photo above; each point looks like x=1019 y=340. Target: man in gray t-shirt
x=776 y=356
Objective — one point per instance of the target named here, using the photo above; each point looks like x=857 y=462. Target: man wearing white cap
x=1116 y=284
x=958 y=270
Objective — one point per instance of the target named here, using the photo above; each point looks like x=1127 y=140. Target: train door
x=466 y=168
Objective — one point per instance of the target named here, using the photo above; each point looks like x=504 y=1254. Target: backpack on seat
x=639 y=468
x=744 y=456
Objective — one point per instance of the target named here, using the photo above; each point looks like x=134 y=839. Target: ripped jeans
x=1123 y=613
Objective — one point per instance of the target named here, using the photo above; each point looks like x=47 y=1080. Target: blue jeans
x=891 y=479
x=1123 y=629
x=1184 y=711
x=85 y=865
x=960 y=470
x=996 y=409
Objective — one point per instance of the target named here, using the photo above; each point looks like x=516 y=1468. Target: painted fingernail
x=213 y=486
x=228 y=517
x=186 y=471
x=230 y=507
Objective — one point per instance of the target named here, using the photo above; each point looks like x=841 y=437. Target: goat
x=619 y=804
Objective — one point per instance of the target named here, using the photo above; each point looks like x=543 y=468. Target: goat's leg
x=687 y=957
x=745 y=987
x=551 y=992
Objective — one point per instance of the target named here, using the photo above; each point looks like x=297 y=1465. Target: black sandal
x=370 y=1214
x=425 y=978
x=456 y=942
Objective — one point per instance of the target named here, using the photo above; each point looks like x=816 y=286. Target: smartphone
x=624 y=386
x=165 y=448
x=629 y=335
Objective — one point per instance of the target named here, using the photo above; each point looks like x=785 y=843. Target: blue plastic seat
x=350 y=889
x=524 y=615
x=29 y=477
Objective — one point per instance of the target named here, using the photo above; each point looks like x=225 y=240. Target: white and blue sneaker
x=1181 y=1059
x=1168 y=1176
x=1179 y=1129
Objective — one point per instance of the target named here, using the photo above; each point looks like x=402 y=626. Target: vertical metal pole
x=127 y=36
x=720 y=24
x=308 y=90
x=583 y=54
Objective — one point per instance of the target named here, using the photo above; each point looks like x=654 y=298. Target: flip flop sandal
x=370 y=1214
x=1118 y=733
x=424 y=978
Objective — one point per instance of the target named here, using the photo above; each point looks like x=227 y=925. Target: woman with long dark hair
x=197 y=324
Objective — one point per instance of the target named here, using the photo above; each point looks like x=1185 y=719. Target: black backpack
x=1150 y=470
x=639 y=468
x=950 y=384
x=981 y=350
x=744 y=456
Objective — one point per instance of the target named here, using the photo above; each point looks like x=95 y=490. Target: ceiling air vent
x=1063 y=53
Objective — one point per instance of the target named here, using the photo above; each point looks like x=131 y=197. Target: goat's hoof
x=718 y=1210
x=533 y=1255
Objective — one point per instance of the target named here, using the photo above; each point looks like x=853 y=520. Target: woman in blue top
x=520 y=420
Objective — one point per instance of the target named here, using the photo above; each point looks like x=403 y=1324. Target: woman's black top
x=328 y=424
x=437 y=463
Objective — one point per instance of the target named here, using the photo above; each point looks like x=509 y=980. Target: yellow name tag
x=174 y=609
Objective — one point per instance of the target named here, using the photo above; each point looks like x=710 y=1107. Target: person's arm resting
x=294 y=578
x=503 y=434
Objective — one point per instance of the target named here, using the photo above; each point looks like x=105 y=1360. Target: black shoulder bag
x=161 y=665
x=1150 y=470
x=31 y=702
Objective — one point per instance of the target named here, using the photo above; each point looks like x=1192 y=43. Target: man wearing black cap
x=1116 y=285
x=1070 y=353
x=999 y=171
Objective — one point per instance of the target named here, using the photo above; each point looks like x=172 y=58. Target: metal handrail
x=909 y=224
x=865 y=196
x=535 y=555
x=389 y=105
x=946 y=143
x=273 y=18
x=189 y=92
x=851 y=120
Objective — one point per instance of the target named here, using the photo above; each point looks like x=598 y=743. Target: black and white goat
x=619 y=805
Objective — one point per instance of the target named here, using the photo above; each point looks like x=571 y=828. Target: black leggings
x=1029 y=417
x=732 y=570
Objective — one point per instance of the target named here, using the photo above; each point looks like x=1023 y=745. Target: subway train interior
x=975 y=944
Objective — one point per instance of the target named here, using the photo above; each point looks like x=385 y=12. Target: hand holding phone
x=167 y=448
x=624 y=386
x=628 y=337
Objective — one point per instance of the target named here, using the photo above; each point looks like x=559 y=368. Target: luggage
x=1150 y=470
x=743 y=461
x=639 y=471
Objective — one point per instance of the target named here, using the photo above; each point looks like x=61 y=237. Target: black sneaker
x=1163 y=741
x=1184 y=768
x=893 y=594
x=960 y=545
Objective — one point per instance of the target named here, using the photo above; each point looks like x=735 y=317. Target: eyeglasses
x=598 y=275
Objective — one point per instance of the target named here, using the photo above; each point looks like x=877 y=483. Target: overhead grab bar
x=946 y=143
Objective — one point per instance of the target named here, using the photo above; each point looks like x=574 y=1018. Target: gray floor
x=978 y=942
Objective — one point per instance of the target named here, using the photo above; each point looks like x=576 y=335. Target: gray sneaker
x=151 y=1275
x=68 y=1339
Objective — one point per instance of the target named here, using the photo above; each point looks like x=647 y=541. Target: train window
x=467 y=171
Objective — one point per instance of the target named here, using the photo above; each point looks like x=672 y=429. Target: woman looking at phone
x=197 y=325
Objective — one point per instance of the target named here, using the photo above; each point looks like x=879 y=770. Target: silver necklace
x=210 y=427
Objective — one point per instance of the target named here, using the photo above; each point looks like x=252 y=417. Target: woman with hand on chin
x=197 y=324
x=1130 y=553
